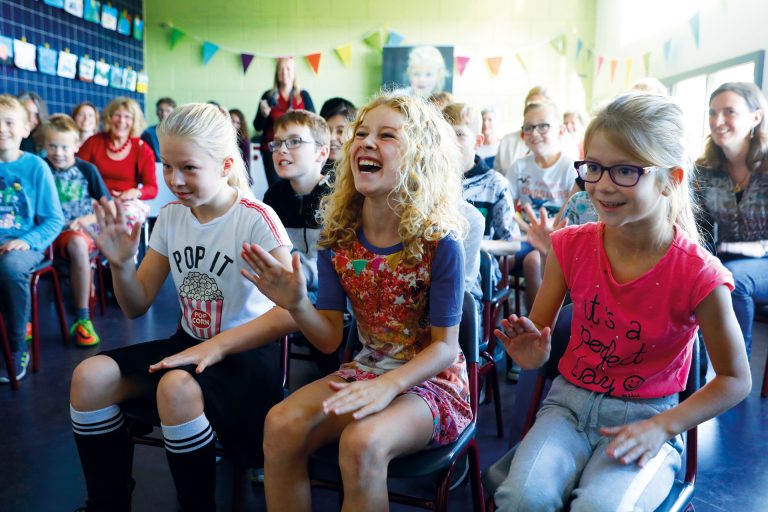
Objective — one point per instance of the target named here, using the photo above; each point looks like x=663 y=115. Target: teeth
x=284 y=162
x=370 y=163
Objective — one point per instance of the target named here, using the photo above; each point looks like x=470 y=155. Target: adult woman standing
x=126 y=162
x=734 y=192
x=284 y=96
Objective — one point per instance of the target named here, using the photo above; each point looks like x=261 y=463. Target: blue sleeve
x=48 y=215
x=446 y=294
x=330 y=294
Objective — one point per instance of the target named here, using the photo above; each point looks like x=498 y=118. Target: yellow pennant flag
x=628 y=72
x=345 y=54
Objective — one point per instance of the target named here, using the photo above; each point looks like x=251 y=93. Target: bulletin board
x=48 y=23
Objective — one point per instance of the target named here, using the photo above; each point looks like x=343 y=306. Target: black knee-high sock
x=191 y=456
x=106 y=454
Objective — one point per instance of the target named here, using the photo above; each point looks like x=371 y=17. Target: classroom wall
x=481 y=29
x=628 y=29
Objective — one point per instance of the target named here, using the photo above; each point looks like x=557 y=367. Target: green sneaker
x=84 y=333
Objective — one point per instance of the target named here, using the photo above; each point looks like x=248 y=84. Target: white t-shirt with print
x=205 y=262
x=550 y=187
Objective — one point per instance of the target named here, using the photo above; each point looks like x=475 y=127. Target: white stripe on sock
x=188 y=436
x=100 y=421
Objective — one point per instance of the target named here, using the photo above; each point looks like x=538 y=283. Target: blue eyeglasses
x=623 y=175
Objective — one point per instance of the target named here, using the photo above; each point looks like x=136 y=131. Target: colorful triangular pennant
x=395 y=38
x=246 y=59
x=461 y=64
x=559 y=44
x=494 y=63
x=647 y=63
x=600 y=61
x=314 y=61
x=667 y=50
x=358 y=266
x=209 y=50
x=589 y=54
x=345 y=54
x=521 y=60
x=627 y=71
x=375 y=40
x=614 y=62
x=579 y=46
x=176 y=35
x=695 y=23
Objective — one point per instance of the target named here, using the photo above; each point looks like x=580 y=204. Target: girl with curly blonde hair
x=390 y=245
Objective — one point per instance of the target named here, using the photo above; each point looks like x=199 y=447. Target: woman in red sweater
x=126 y=163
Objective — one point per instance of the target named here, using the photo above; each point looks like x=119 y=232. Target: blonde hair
x=318 y=128
x=213 y=131
x=62 y=123
x=294 y=86
x=430 y=56
x=649 y=129
x=427 y=194
x=139 y=124
x=757 y=154
x=10 y=102
x=538 y=105
x=461 y=113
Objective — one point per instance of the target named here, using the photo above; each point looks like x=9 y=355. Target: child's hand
x=639 y=441
x=286 y=288
x=14 y=245
x=203 y=355
x=83 y=223
x=362 y=398
x=116 y=241
x=539 y=228
x=524 y=342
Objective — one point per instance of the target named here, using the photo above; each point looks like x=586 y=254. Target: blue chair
x=440 y=461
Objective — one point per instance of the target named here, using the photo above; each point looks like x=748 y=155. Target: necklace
x=741 y=184
x=113 y=149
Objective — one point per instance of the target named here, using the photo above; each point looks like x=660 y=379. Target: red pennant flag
x=314 y=61
x=246 y=59
x=461 y=64
x=600 y=60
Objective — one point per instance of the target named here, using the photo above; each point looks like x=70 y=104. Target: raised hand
x=539 y=228
x=116 y=241
x=524 y=342
x=202 y=355
x=362 y=398
x=639 y=441
x=286 y=288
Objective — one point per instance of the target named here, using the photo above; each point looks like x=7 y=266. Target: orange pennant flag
x=614 y=62
x=314 y=61
x=494 y=63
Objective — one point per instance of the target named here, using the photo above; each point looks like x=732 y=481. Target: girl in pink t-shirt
x=606 y=437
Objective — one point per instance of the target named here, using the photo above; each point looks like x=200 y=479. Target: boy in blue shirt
x=30 y=219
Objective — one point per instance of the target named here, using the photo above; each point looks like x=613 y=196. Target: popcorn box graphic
x=202 y=305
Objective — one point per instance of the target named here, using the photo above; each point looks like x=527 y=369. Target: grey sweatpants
x=562 y=459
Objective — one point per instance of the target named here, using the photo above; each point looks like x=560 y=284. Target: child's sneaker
x=21 y=360
x=84 y=334
x=28 y=332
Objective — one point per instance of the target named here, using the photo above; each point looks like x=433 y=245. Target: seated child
x=299 y=151
x=30 y=219
x=78 y=183
x=338 y=113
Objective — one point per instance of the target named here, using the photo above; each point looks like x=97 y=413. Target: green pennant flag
x=176 y=35
x=376 y=40
x=359 y=265
x=647 y=62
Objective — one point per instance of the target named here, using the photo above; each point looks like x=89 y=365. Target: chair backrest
x=486 y=277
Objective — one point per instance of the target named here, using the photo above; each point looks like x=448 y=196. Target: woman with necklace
x=284 y=96
x=733 y=191
x=126 y=163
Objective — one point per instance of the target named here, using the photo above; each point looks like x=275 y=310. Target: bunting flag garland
x=647 y=63
x=600 y=60
x=395 y=38
x=461 y=64
x=559 y=44
x=614 y=62
x=375 y=40
x=627 y=71
x=589 y=54
x=521 y=61
x=314 y=61
x=695 y=23
x=209 y=50
x=246 y=59
x=494 y=63
x=667 y=50
x=345 y=54
x=579 y=46
x=176 y=35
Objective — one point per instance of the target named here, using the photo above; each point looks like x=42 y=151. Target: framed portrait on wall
x=420 y=70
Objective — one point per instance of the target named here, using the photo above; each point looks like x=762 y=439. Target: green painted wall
x=477 y=29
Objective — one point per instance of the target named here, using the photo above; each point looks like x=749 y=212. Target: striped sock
x=101 y=421
x=188 y=436
x=192 y=458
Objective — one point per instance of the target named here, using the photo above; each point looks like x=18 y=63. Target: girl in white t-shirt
x=198 y=239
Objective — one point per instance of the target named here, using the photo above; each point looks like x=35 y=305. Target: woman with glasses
x=733 y=188
x=285 y=95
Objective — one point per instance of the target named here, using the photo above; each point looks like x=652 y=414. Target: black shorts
x=238 y=391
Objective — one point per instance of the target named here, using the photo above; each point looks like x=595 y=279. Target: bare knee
x=95 y=383
x=285 y=432
x=77 y=249
x=179 y=398
x=363 y=455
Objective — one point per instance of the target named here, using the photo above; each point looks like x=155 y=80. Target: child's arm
x=642 y=440
x=527 y=340
x=135 y=290
x=47 y=210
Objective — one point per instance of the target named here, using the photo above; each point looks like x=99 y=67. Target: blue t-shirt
x=29 y=205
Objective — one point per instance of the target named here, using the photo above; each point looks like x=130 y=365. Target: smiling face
x=193 y=176
x=618 y=206
x=122 y=123
x=297 y=163
x=338 y=125
x=163 y=111
x=286 y=72
x=61 y=148
x=423 y=78
x=86 y=119
x=14 y=126
x=730 y=121
x=543 y=144
x=376 y=152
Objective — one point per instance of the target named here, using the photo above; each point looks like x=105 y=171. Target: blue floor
x=39 y=468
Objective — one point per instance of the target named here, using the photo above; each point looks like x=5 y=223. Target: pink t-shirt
x=633 y=339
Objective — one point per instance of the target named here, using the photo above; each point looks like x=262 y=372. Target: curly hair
x=427 y=194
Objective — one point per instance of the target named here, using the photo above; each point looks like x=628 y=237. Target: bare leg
x=293 y=430
x=98 y=383
x=179 y=398
x=80 y=269
x=367 y=446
